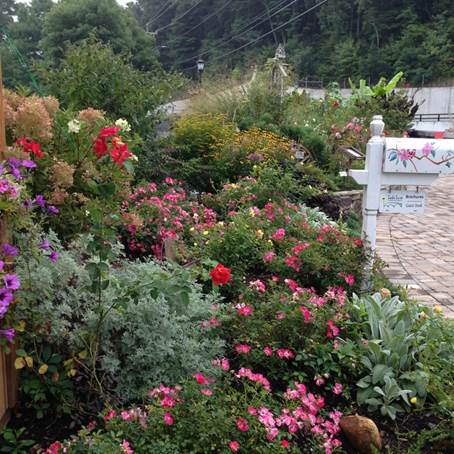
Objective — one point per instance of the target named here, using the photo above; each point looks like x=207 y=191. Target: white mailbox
x=399 y=162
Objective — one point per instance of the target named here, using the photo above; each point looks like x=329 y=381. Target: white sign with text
x=400 y=201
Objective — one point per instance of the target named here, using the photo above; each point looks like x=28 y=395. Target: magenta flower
x=269 y=256
x=40 y=201
x=268 y=351
x=2 y=265
x=51 y=209
x=53 y=256
x=126 y=447
x=234 y=446
x=11 y=281
x=8 y=250
x=337 y=388
x=168 y=419
x=44 y=245
x=243 y=348
x=279 y=234
x=8 y=334
x=242 y=424
x=349 y=279
x=244 y=310
x=427 y=149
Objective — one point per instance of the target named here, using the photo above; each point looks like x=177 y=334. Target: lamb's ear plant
x=390 y=353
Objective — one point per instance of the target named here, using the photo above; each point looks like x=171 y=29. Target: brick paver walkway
x=419 y=249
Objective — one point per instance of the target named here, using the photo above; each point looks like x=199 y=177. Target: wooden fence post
x=8 y=373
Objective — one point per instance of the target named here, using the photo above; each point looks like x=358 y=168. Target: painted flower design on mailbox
x=419 y=155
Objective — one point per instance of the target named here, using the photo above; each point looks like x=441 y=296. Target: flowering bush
x=153 y=218
x=235 y=414
x=279 y=240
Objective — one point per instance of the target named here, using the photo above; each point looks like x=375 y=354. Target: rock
x=362 y=433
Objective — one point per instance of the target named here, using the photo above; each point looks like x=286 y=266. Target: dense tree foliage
x=43 y=29
x=339 y=39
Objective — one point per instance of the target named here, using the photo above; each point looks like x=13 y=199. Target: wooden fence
x=8 y=374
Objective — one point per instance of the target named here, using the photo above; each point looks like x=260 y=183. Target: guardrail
x=434 y=117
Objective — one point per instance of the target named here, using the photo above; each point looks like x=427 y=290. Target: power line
x=180 y=17
x=268 y=33
x=244 y=29
x=207 y=17
x=161 y=12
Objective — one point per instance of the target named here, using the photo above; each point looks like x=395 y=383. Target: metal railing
x=434 y=117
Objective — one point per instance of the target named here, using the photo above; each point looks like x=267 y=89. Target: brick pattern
x=419 y=249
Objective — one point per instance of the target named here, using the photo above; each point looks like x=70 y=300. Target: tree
x=7 y=12
x=72 y=21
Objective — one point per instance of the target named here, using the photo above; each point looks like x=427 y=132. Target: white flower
x=74 y=126
x=123 y=124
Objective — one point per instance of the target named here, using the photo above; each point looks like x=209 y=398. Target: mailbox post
x=392 y=162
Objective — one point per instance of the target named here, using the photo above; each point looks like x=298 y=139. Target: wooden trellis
x=8 y=375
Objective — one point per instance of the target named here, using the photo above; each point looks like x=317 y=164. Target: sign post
x=397 y=162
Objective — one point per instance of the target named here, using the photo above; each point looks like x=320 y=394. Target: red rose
x=220 y=275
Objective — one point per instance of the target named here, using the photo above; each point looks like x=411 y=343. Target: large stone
x=362 y=433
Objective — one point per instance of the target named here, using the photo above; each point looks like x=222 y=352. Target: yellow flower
x=29 y=361
x=206 y=232
x=43 y=369
x=259 y=234
x=423 y=316
x=19 y=363
x=191 y=229
x=438 y=309
x=414 y=400
x=251 y=212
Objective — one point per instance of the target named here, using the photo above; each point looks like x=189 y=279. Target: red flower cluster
x=220 y=275
x=30 y=146
x=119 y=150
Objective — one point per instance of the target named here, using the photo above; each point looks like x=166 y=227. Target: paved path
x=419 y=249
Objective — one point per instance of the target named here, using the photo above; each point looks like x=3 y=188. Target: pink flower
x=244 y=310
x=206 y=392
x=306 y=313
x=252 y=411
x=269 y=256
x=319 y=381
x=337 y=388
x=168 y=419
x=279 y=234
x=293 y=262
x=285 y=444
x=242 y=424
x=427 y=149
x=242 y=348
x=258 y=285
x=300 y=247
x=284 y=353
x=332 y=330
x=126 y=447
x=234 y=446
x=112 y=414
x=268 y=351
x=349 y=279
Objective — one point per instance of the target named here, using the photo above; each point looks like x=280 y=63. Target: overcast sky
x=121 y=2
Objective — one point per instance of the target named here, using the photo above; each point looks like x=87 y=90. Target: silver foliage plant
x=154 y=328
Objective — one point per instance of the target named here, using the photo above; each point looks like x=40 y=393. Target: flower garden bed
x=148 y=318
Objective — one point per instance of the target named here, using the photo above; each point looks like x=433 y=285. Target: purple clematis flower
x=11 y=281
x=44 y=245
x=8 y=333
x=28 y=164
x=8 y=250
x=51 y=209
x=53 y=256
x=40 y=201
x=6 y=297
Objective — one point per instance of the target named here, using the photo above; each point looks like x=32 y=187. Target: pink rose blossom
x=306 y=313
x=258 y=285
x=284 y=353
x=126 y=447
x=269 y=256
x=337 y=388
x=252 y=411
x=234 y=446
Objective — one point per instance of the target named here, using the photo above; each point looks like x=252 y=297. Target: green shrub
x=146 y=326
